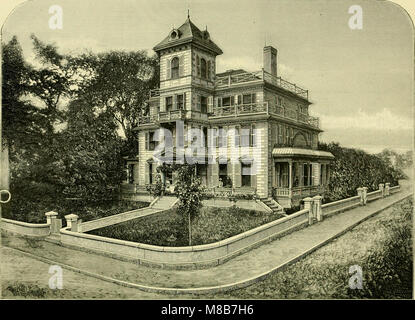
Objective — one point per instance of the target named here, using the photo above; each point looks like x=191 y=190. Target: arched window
x=175 y=68
x=203 y=68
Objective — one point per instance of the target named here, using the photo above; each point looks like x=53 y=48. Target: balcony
x=246 y=77
x=171 y=115
x=264 y=108
x=162 y=117
x=155 y=93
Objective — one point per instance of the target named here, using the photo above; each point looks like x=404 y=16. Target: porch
x=298 y=173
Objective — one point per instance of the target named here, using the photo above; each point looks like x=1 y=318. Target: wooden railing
x=238 y=109
x=303 y=191
x=288 y=113
x=154 y=93
x=228 y=80
x=264 y=108
x=171 y=115
x=162 y=117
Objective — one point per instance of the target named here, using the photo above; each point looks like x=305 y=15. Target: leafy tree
x=353 y=168
x=21 y=122
x=119 y=83
x=189 y=191
x=89 y=149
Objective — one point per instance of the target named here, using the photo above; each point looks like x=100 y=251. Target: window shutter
x=181 y=66
x=238 y=175
x=240 y=99
x=210 y=104
x=198 y=103
x=168 y=69
x=316 y=174
x=253 y=136
x=232 y=100
x=147 y=173
x=253 y=180
x=147 y=140
x=184 y=101
x=208 y=70
x=219 y=102
x=198 y=65
x=237 y=141
x=185 y=135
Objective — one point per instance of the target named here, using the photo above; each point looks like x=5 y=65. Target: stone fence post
x=318 y=212
x=387 y=187
x=52 y=221
x=360 y=194
x=308 y=204
x=382 y=189
x=72 y=222
x=364 y=195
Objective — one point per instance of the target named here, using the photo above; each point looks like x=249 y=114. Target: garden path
x=237 y=272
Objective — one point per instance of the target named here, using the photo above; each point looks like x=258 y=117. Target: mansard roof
x=188 y=33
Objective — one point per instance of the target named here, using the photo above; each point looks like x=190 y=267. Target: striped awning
x=298 y=152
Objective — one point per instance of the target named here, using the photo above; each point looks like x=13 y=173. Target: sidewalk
x=239 y=271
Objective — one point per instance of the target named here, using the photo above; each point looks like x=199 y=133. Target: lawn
x=170 y=229
x=34 y=211
x=381 y=246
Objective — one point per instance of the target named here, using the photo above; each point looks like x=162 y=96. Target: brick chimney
x=270 y=60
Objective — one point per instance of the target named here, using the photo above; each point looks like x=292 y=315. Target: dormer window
x=175 y=68
x=206 y=35
x=174 y=34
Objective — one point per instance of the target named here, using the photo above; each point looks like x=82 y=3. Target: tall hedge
x=354 y=168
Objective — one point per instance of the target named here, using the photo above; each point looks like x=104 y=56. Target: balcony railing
x=264 y=76
x=303 y=191
x=264 y=108
x=239 y=109
x=171 y=115
x=154 y=93
x=167 y=116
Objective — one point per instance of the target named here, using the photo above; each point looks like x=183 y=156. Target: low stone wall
x=395 y=189
x=114 y=219
x=216 y=253
x=24 y=228
x=374 y=195
x=341 y=205
x=186 y=257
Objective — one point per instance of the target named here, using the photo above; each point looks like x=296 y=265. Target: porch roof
x=298 y=152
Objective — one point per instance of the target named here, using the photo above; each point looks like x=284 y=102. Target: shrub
x=353 y=168
x=157 y=189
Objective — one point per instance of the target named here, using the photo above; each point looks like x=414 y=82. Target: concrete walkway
x=238 y=272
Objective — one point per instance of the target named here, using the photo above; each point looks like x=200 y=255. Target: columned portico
x=298 y=173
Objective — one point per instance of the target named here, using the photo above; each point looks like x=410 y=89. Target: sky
x=360 y=81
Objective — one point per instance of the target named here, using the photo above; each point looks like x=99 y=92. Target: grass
x=32 y=211
x=170 y=229
x=381 y=246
